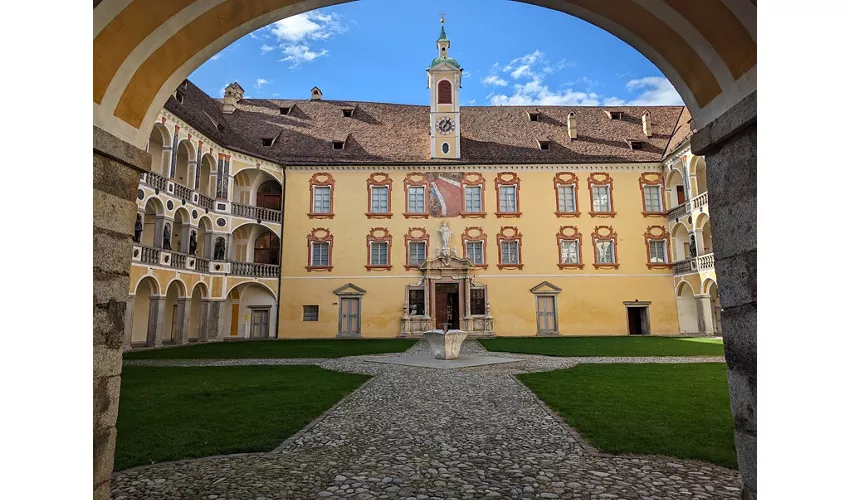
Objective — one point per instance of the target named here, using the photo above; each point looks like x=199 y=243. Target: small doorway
x=547 y=320
x=638 y=320
x=269 y=195
x=447 y=306
x=259 y=323
x=349 y=317
x=680 y=194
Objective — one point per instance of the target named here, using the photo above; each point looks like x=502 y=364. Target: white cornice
x=632 y=167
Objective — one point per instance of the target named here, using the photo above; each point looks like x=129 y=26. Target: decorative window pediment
x=545 y=288
x=349 y=289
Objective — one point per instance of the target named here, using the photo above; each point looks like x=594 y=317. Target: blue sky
x=511 y=53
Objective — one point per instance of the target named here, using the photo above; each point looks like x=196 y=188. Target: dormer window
x=267 y=142
x=219 y=127
x=544 y=145
x=635 y=145
x=179 y=96
x=615 y=115
x=284 y=110
x=348 y=112
x=534 y=117
x=338 y=144
x=185 y=84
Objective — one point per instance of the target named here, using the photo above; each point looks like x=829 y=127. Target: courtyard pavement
x=418 y=433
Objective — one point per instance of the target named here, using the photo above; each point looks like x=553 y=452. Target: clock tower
x=444 y=76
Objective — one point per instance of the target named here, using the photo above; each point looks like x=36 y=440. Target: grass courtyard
x=170 y=413
x=606 y=346
x=258 y=349
x=678 y=410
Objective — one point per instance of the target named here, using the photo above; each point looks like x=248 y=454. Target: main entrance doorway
x=638 y=320
x=349 y=316
x=447 y=306
x=259 y=323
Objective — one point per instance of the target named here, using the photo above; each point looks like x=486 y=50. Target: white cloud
x=299 y=54
x=471 y=102
x=655 y=91
x=213 y=58
x=261 y=82
x=308 y=26
x=266 y=48
x=494 y=80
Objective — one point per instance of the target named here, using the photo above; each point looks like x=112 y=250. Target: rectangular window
x=601 y=199
x=477 y=303
x=507 y=198
x=415 y=253
x=380 y=199
x=605 y=252
x=320 y=254
x=658 y=251
x=416 y=199
x=652 y=198
x=416 y=301
x=510 y=252
x=311 y=313
x=322 y=199
x=566 y=199
x=569 y=252
x=378 y=255
x=475 y=251
x=473 y=198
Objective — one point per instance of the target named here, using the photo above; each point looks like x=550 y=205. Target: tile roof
x=398 y=133
x=681 y=132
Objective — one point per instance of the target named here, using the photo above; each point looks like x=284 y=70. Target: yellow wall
x=591 y=301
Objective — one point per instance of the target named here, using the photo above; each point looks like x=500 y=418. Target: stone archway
x=143 y=50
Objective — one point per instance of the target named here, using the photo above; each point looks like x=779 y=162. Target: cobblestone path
x=416 y=433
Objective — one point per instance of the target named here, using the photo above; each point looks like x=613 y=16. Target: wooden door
x=349 y=316
x=680 y=194
x=269 y=200
x=546 y=322
x=441 y=309
x=260 y=323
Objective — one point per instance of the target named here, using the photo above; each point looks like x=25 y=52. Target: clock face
x=445 y=125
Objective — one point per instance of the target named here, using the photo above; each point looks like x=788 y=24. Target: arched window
x=444 y=92
x=268 y=195
x=267 y=249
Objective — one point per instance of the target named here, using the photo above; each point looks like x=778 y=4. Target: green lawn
x=607 y=346
x=249 y=349
x=677 y=410
x=169 y=413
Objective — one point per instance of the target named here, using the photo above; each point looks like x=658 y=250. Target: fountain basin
x=445 y=345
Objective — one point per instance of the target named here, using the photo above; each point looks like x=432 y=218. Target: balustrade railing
x=205 y=201
x=679 y=212
x=178 y=260
x=684 y=266
x=254 y=269
x=202 y=265
x=156 y=181
x=705 y=262
x=701 y=200
x=150 y=255
x=182 y=192
x=256 y=213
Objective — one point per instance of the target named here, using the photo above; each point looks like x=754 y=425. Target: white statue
x=445 y=236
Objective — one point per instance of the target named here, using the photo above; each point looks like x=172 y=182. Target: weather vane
x=442 y=17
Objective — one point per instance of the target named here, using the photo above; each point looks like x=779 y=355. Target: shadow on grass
x=258 y=349
x=607 y=346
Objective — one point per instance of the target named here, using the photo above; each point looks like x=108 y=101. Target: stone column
x=158 y=227
x=215 y=320
x=156 y=318
x=172 y=164
x=116 y=168
x=729 y=144
x=706 y=325
x=128 y=323
x=699 y=242
x=185 y=230
x=202 y=326
x=166 y=160
x=181 y=320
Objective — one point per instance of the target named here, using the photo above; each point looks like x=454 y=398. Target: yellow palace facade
x=324 y=218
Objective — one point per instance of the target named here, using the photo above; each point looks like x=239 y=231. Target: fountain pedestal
x=445 y=345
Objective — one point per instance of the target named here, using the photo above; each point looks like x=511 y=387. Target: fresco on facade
x=445 y=198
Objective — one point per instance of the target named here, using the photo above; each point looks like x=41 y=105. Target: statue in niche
x=445 y=239
x=166 y=237
x=219 y=249
x=693 y=246
x=137 y=230
x=193 y=243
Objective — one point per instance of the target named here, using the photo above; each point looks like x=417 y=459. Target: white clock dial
x=445 y=125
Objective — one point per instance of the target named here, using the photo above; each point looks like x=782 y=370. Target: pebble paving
x=420 y=434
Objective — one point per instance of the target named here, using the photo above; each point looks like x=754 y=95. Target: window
x=569 y=252
x=510 y=252
x=534 y=117
x=544 y=145
x=475 y=251
x=601 y=199
x=472 y=195
x=379 y=254
x=347 y=113
x=321 y=196
x=284 y=110
x=566 y=199
x=338 y=144
x=380 y=200
x=321 y=254
x=477 y=301
x=657 y=252
x=472 y=185
x=652 y=198
x=320 y=250
x=267 y=142
x=416 y=301
x=179 y=97
x=605 y=252
x=219 y=127
x=415 y=253
x=636 y=145
x=445 y=148
x=615 y=115
x=444 y=93
x=507 y=198
x=321 y=199
x=416 y=199
x=311 y=313
x=380 y=196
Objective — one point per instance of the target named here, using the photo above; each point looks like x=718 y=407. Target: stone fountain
x=445 y=344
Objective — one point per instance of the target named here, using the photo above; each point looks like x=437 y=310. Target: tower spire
x=442 y=27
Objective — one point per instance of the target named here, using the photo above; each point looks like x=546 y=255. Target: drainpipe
x=280 y=236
